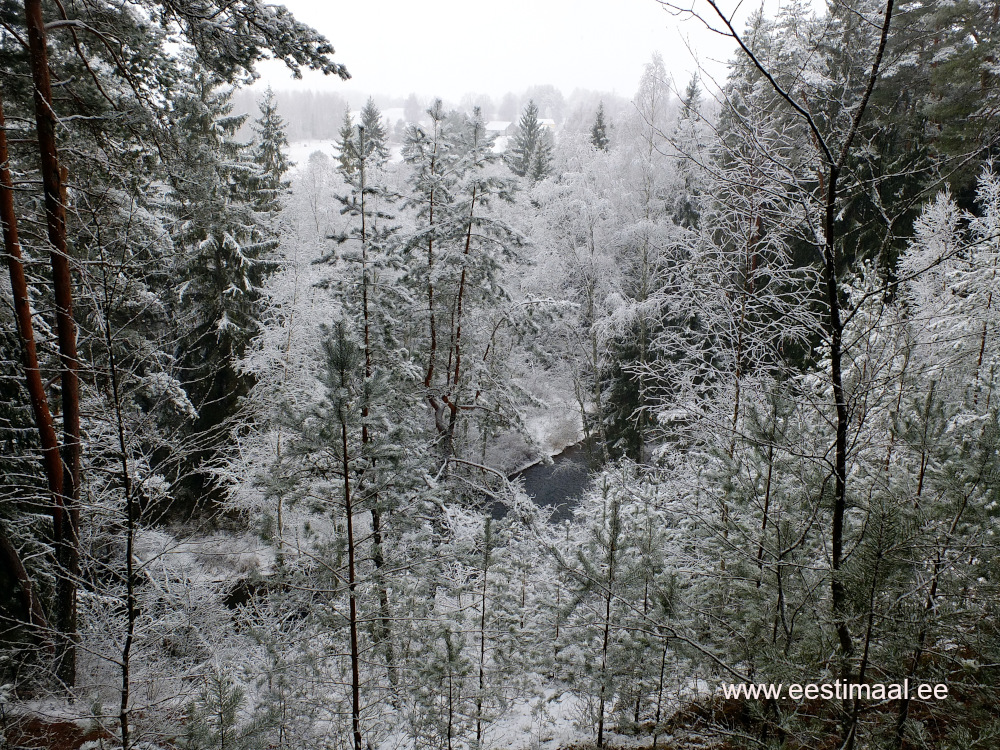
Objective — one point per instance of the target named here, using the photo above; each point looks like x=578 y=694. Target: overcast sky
x=451 y=47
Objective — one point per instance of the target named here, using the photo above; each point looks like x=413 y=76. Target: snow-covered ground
x=552 y=721
x=220 y=557
x=549 y=722
x=299 y=151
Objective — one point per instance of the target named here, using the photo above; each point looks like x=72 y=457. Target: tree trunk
x=352 y=588
x=131 y=507
x=51 y=459
x=455 y=374
x=33 y=613
x=25 y=329
x=659 y=695
x=606 y=635
x=67 y=545
x=835 y=332
x=487 y=539
x=384 y=632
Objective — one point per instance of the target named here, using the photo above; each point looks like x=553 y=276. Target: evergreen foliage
x=224 y=253
x=375 y=133
x=531 y=150
x=345 y=137
x=268 y=153
x=775 y=321
x=214 y=719
x=225 y=249
x=599 y=130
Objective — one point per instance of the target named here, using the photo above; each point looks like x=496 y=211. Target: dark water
x=560 y=483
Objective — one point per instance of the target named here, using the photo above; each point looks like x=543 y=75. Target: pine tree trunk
x=659 y=694
x=66 y=541
x=455 y=374
x=352 y=587
x=383 y=625
x=487 y=539
x=435 y=405
x=33 y=613
x=36 y=389
x=606 y=636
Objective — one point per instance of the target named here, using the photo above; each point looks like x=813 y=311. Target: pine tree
x=102 y=142
x=343 y=358
x=458 y=252
x=612 y=597
x=369 y=300
x=213 y=721
x=599 y=131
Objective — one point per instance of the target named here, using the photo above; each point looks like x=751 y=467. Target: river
x=558 y=484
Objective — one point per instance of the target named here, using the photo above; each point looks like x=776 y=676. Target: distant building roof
x=497 y=125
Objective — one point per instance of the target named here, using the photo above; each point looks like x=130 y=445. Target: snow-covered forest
x=264 y=422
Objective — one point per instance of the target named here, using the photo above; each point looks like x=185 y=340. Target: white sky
x=451 y=47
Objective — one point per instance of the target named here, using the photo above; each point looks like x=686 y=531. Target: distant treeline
x=309 y=115
x=316 y=115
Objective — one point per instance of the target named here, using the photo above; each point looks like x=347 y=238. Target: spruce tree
x=647 y=249
x=541 y=160
x=599 y=131
x=376 y=138
x=689 y=137
x=345 y=137
x=267 y=151
x=530 y=155
x=224 y=252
